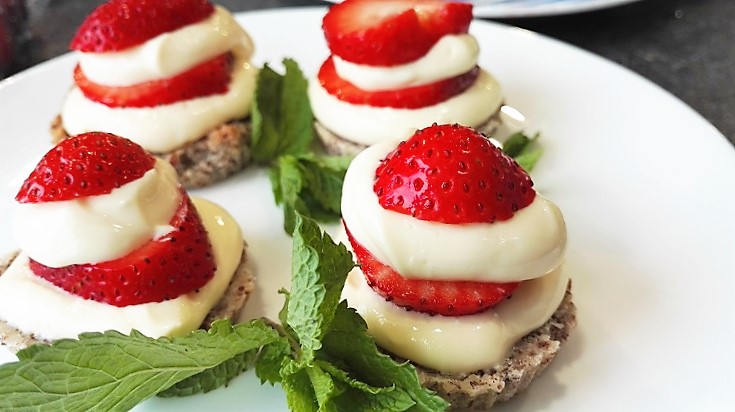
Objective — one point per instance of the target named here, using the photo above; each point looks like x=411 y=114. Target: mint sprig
x=281 y=117
x=326 y=359
x=283 y=133
x=112 y=371
x=309 y=185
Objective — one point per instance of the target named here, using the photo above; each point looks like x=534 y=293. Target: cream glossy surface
x=460 y=344
x=451 y=56
x=164 y=128
x=368 y=124
x=63 y=315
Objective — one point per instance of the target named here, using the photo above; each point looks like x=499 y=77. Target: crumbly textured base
x=224 y=151
x=228 y=307
x=336 y=145
x=478 y=391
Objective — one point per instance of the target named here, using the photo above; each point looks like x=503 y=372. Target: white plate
x=646 y=185
x=536 y=8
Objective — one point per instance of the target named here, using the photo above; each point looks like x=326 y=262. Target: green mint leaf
x=325 y=389
x=213 y=378
x=359 y=396
x=324 y=176
x=270 y=360
x=515 y=144
x=281 y=117
x=319 y=269
x=528 y=158
x=287 y=180
x=523 y=149
x=112 y=371
x=348 y=344
x=298 y=387
x=310 y=185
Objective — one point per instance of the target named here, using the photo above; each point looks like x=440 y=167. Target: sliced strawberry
x=452 y=174
x=120 y=24
x=408 y=98
x=85 y=165
x=391 y=32
x=208 y=78
x=177 y=263
x=448 y=298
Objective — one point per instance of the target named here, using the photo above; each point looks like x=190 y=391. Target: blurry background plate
x=536 y=8
x=645 y=184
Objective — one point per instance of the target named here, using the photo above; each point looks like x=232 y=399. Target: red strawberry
x=449 y=298
x=85 y=165
x=391 y=32
x=208 y=78
x=452 y=174
x=409 y=98
x=177 y=263
x=120 y=24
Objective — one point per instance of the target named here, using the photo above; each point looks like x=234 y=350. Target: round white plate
x=536 y=8
x=645 y=183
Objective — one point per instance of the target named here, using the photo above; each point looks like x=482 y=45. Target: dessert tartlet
x=460 y=263
x=110 y=240
x=174 y=76
x=399 y=65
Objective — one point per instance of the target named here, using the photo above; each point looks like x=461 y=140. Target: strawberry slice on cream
x=398 y=65
x=163 y=73
x=459 y=256
x=110 y=240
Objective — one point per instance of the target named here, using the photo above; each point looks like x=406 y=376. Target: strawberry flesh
x=448 y=298
x=89 y=164
x=208 y=78
x=179 y=262
x=391 y=32
x=408 y=98
x=452 y=174
x=120 y=24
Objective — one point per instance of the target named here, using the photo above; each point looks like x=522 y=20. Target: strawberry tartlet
x=460 y=263
x=175 y=76
x=399 y=65
x=110 y=240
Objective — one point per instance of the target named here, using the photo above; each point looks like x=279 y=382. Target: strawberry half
x=208 y=78
x=448 y=298
x=85 y=165
x=391 y=32
x=408 y=98
x=177 y=263
x=120 y=24
x=452 y=174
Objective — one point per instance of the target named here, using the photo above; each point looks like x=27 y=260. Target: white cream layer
x=459 y=344
x=33 y=305
x=367 y=125
x=451 y=56
x=168 y=54
x=164 y=128
x=99 y=228
x=529 y=245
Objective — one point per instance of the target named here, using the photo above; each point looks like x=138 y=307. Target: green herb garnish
x=283 y=133
x=112 y=371
x=523 y=149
